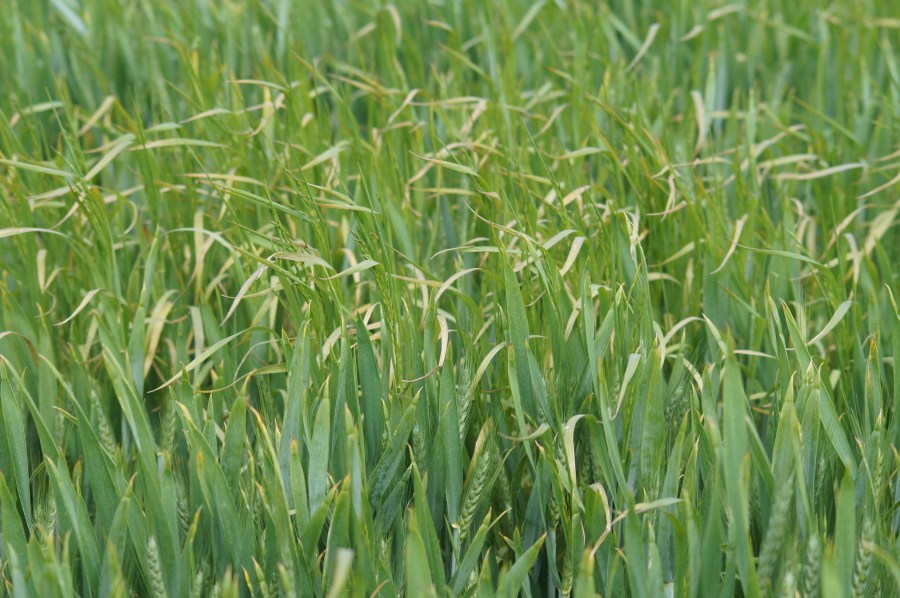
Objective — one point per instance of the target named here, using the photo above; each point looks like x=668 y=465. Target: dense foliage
x=334 y=297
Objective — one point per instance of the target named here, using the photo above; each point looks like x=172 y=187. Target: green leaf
x=839 y=314
x=36 y=168
x=584 y=582
x=418 y=574
x=197 y=361
x=74 y=518
x=338 y=534
x=834 y=431
x=430 y=541
x=451 y=443
x=235 y=434
x=386 y=470
x=511 y=584
x=297 y=383
x=13 y=533
x=298 y=488
x=845 y=533
x=14 y=444
x=518 y=332
x=370 y=396
x=470 y=557
x=318 y=455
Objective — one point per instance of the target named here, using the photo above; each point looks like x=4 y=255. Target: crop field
x=449 y=297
